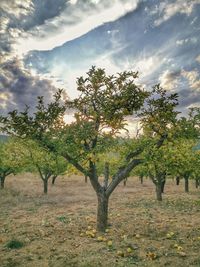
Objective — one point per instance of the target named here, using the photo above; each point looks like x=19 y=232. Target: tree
x=100 y=113
x=40 y=160
x=183 y=161
x=159 y=120
x=156 y=162
x=60 y=167
x=10 y=162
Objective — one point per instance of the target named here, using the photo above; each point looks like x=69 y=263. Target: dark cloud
x=160 y=38
x=18 y=87
x=187 y=97
x=43 y=10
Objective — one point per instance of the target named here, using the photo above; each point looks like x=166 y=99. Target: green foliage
x=10 y=160
x=39 y=159
x=183 y=160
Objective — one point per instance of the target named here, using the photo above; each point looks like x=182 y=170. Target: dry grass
x=50 y=226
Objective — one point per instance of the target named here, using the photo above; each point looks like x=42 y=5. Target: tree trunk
x=54 y=179
x=86 y=179
x=125 y=180
x=163 y=186
x=141 y=179
x=177 y=180
x=45 y=183
x=2 y=181
x=159 y=192
x=196 y=183
x=186 y=184
x=102 y=212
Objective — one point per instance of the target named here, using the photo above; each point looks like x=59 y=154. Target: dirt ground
x=58 y=230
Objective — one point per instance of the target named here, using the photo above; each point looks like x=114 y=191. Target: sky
x=47 y=44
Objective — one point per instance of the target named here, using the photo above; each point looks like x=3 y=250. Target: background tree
x=37 y=159
x=10 y=161
x=157 y=166
x=183 y=160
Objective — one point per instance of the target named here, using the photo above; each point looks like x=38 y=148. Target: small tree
x=38 y=159
x=157 y=167
x=60 y=168
x=183 y=160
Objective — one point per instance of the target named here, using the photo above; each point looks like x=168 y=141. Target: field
x=52 y=229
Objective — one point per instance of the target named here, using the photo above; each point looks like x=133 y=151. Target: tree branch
x=94 y=178
x=122 y=173
x=75 y=163
x=106 y=175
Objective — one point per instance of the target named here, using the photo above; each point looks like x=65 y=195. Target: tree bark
x=125 y=180
x=186 y=178
x=196 y=183
x=159 y=192
x=141 y=179
x=45 y=183
x=102 y=212
x=86 y=179
x=163 y=186
x=54 y=179
x=2 y=181
x=177 y=180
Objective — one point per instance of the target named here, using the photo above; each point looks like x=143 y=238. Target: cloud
x=17 y=8
x=74 y=21
x=198 y=58
x=168 y=9
x=193 y=78
x=18 y=87
x=188 y=98
x=170 y=80
x=11 y=14
x=186 y=41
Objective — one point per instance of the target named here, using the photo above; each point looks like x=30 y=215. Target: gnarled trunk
x=2 y=178
x=186 y=178
x=159 y=192
x=102 y=212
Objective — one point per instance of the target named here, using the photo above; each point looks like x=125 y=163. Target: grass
x=58 y=230
x=14 y=244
